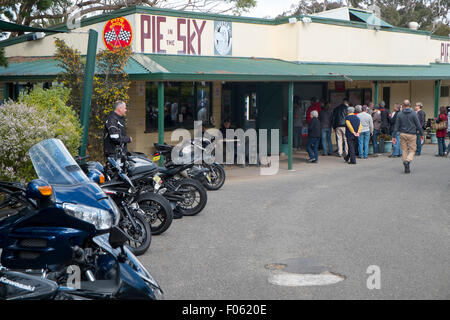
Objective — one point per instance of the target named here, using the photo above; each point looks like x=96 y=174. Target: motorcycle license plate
x=157 y=179
x=156 y=158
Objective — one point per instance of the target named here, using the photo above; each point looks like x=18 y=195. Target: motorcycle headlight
x=101 y=219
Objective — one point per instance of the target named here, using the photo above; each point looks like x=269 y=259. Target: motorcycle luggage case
x=21 y=286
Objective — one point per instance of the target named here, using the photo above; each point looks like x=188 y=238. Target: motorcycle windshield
x=53 y=163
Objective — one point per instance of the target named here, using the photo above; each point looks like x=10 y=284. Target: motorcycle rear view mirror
x=117 y=238
x=38 y=189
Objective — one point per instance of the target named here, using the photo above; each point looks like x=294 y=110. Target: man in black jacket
x=339 y=126
x=115 y=132
x=385 y=123
x=314 y=134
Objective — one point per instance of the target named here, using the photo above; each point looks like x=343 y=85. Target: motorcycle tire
x=145 y=234
x=217 y=177
x=195 y=196
x=156 y=208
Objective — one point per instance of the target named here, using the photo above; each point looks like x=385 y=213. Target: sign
x=445 y=52
x=171 y=35
x=223 y=41
x=117 y=33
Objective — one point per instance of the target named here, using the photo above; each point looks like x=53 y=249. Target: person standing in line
x=384 y=118
x=376 y=116
x=422 y=120
x=315 y=105
x=366 y=131
x=325 y=124
x=408 y=125
x=352 y=132
x=297 y=123
x=339 y=125
x=396 y=151
x=313 y=137
x=448 y=133
x=440 y=134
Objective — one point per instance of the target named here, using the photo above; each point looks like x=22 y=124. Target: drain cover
x=301 y=272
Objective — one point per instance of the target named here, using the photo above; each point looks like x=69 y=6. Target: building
x=216 y=66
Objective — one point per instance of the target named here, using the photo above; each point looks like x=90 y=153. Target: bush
x=39 y=115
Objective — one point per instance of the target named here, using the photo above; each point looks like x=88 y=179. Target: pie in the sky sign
x=117 y=33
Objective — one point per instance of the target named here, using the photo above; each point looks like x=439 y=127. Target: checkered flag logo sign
x=124 y=35
x=110 y=36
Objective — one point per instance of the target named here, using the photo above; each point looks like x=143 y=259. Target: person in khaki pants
x=408 y=125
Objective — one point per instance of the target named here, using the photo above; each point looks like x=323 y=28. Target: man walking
x=115 y=132
x=313 y=137
x=408 y=125
x=422 y=120
x=338 y=121
x=366 y=131
x=352 y=133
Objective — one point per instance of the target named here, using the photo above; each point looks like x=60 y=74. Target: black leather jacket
x=114 y=133
x=338 y=116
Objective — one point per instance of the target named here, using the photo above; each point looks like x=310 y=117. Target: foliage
x=39 y=115
x=3 y=59
x=111 y=83
x=384 y=136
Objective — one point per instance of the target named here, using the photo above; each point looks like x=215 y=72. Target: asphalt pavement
x=344 y=217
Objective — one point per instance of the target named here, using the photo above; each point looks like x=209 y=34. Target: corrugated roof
x=200 y=68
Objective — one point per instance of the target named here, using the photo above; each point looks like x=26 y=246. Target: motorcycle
x=213 y=177
x=65 y=250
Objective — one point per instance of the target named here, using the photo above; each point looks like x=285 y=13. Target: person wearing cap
x=407 y=125
x=422 y=120
x=352 y=132
x=366 y=131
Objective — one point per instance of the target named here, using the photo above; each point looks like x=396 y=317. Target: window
x=445 y=91
x=184 y=102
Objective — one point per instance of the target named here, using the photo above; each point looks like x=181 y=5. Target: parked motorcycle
x=68 y=250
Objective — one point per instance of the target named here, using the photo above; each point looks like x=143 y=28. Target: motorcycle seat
x=163 y=147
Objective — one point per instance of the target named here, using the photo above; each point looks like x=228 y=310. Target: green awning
x=200 y=68
x=369 y=18
x=12 y=27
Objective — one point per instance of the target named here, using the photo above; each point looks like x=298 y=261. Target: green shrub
x=39 y=115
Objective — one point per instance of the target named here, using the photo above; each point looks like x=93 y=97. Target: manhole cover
x=301 y=272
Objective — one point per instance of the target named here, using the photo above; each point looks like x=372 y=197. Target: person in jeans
x=313 y=137
x=352 y=132
x=440 y=134
x=396 y=150
x=339 y=125
x=325 y=124
x=408 y=125
x=376 y=116
x=422 y=120
x=366 y=131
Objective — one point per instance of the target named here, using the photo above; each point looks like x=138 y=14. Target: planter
x=381 y=146
x=433 y=138
x=388 y=146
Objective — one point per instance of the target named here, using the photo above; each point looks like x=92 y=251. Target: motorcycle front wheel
x=141 y=234
x=194 y=194
x=217 y=177
x=157 y=211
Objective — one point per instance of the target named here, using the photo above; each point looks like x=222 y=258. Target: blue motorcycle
x=53 y=247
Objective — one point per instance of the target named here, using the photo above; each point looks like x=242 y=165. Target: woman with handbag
x=441 y=131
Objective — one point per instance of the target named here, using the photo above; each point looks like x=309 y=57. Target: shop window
x=445 y=91
x=184 y=102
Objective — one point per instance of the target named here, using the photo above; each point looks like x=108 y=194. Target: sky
x=270 y=8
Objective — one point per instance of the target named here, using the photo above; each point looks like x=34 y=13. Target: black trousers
x=351 y=141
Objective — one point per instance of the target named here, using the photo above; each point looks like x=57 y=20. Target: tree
x=45 y=13
x=111 y=83
x=432 y=15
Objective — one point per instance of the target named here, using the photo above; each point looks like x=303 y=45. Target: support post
x=161 y=117
x=437 y=95
x=290 y=123
x=87 y=88
x=375 y=100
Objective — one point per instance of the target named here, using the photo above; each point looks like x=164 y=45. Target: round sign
x=117 y=33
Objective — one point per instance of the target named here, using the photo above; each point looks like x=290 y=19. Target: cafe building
x=208 y=67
